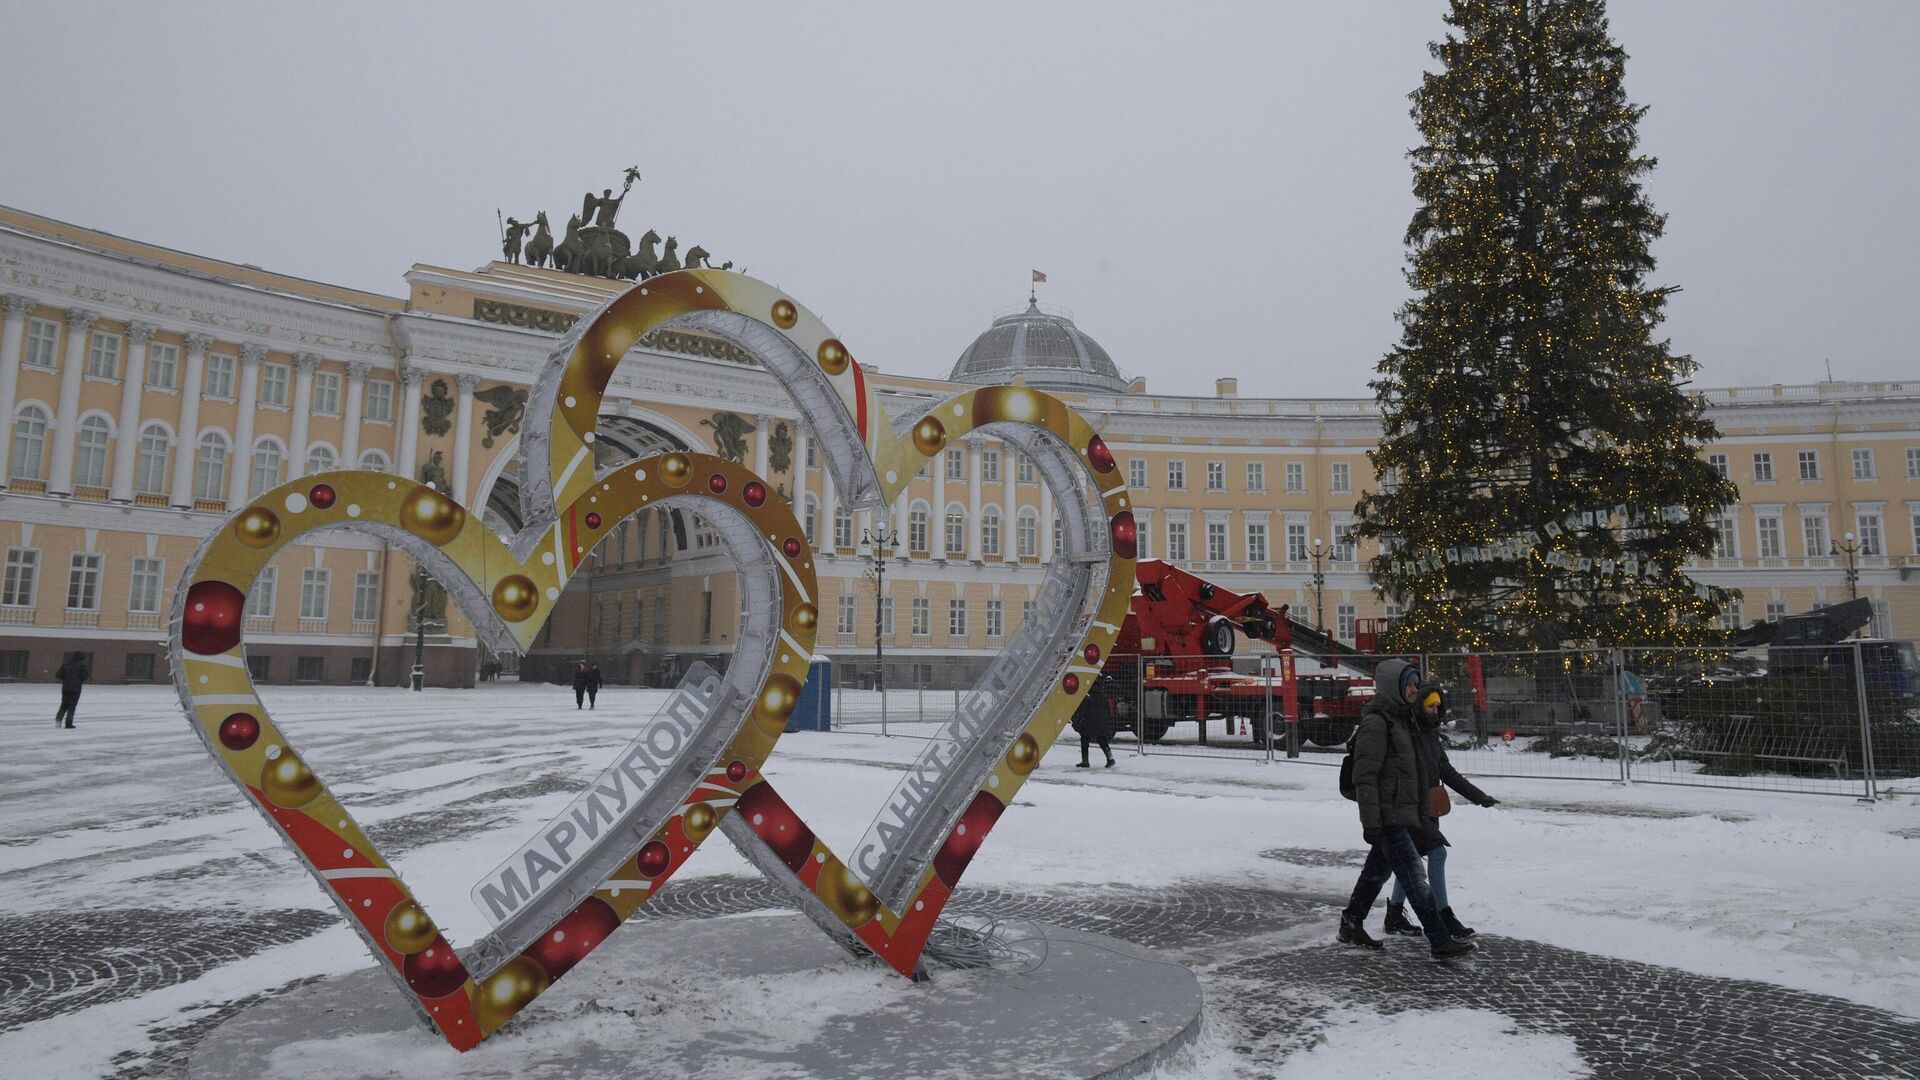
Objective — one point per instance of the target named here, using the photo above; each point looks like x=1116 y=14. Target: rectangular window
x=1342 y=477
x=326 y=393
x=1390 y=480
x=139 y=667
x=886 y=617
x=1342 y=543
x=1296 y=542
x=1763 y=468
x=1177 y=541
x=379 y=400
x=83 y=581
x=996 y=619
x=144 y=594
x=219 y=382
x=1216 y=541
x=989 y=466
x=922 y=616
x=1809 y=464
x=1730 y=616
x=310 y=669
x=957 y=618
x=1726 y=543
x=360 y=671
x=956 y=463
x=43 y=343
x=1344 y=618
x=1916 y=530
x=313 y=592
x=1868 y=526
x=917 y=530
x=1776 y=611
x=1913 y=462
x=163 y=365
x=1143 y=527
x=1026 y=611
x=842 y=527
x=1256 y=476
x=1256 y=541
x=13 y=663
x=1813 y=529
x=23 y=572
x=258 y=667
x=1026 y=470
x=260 y=597
x=1718 y=462
x=1863 y=464
x=1296 y=478
x=1176 y=476
x=274 y=381
x=1216 y=476
x=956 y=536
x=103 y=355
x=1137 y=473
x=990 y=532
x=847 y=604
x=1767 y=530
x=366 y=595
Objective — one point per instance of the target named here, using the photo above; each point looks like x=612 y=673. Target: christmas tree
x=1541 y=476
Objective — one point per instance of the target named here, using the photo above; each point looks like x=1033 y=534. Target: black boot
x=1352 y=933
x=1452 y=950
x=1109 y=759
x=1083 y=764
x=1453 y=925
x=1397 y=922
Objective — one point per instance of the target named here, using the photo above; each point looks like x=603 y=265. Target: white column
x=186 y=440
x=937 y=543
x=973 y=500
x=67 y=419
x=763 y=426
x=11 y=334
x=901 y=538
x=350 y=425
x=133 y=382
x=250 y=356
x=463 y=433
x=409 y=406
x=799 y=473
x=1046 y=521
x=302 y=411
x=1009 y=515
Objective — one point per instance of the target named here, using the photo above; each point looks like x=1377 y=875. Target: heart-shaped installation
x=568 y=888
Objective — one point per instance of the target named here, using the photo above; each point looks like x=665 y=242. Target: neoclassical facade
x=148 y=391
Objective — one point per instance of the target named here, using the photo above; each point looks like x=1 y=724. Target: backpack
x=1347 y=788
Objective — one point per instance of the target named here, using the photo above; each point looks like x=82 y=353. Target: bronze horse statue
x=541 y=246
x=644 y=262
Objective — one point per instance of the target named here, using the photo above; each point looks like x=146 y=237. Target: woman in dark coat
x=1094 y=719
x=1428 y=838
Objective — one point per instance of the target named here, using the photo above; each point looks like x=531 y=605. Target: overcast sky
x=1212 y=189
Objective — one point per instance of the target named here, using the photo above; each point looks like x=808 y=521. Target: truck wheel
x=1324 y=731
x=1259 y=727
x=1155 y=730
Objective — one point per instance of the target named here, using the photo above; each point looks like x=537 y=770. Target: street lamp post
x=1850 y=549
x=421 y=582
x=878 y=543
x=1318 y=554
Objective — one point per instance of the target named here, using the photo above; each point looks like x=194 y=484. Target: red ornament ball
x=321 y=496
x=434 y=971
x=716 y=483
x=736 y=771
x=1091 y=652
x=791 y=545
x=966 y=838
x=593 y=519
x=239 y=731
x=573 y=937
x=654 y=859
x=211 y=624
x=754 y=494
x=1070 y=683
x=1099 y=455
x=775 y=822
x=1126 y=536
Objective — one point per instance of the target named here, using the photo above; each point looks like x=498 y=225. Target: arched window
x=374 y=460
x=810 y=520
x=319 y=459
x=917 y=521
x=956 y=526
x=1027 y=532
x=150 y=469
x=990 y=531
x=842 y=526
x=29 y=461
x=210 y=468
x=90 y=452
x=266 y=468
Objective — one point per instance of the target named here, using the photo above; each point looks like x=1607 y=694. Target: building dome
x=1045 y=347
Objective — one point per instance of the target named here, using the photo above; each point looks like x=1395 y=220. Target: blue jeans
x=1436 y=879
x=1396 y=857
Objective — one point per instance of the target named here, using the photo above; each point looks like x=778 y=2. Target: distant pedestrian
x=73 y=674
x=1390 y=784
x=1094 y=720
x=586 y=684
x=1429 y=840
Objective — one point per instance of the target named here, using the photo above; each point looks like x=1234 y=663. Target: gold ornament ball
x=257 y=528
x=785 y=314
x=779 y=697
x=1024 y=755
x=833 y=356
x=846 y=896
x=676 y=470
x=507 y=991
x=929 y=435
x=699 y=821
x=515 y=597
x=431 y=516
x=1015 y=403
x=408 y=929
x=287 y=782
x=805 y=617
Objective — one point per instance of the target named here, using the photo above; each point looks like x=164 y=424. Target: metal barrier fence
x=1838 y=720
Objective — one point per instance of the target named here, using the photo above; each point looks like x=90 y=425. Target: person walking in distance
x=1428 y=839
x=1390 y=784
x=1094 y=720
x=73 y=674
x=586 y=684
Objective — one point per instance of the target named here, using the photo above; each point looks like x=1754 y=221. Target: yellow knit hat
x=1432 y=697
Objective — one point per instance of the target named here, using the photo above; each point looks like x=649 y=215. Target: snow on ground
x=127 y=811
